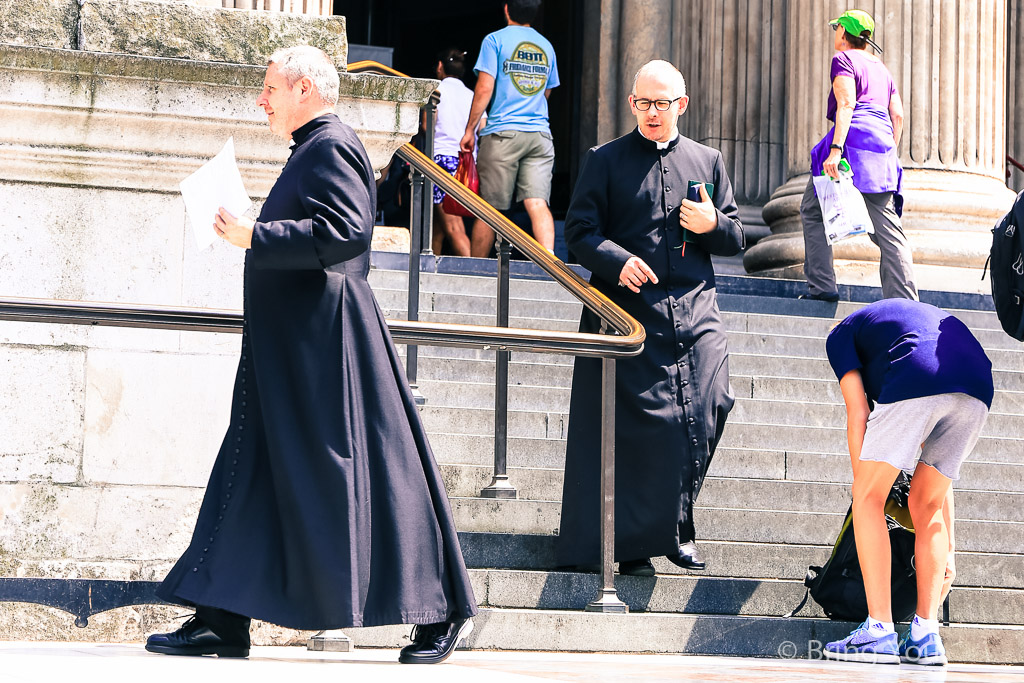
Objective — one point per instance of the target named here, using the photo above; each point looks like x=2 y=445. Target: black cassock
x=325 y=507
x=673 y=399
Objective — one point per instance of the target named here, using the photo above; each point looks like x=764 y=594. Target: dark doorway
x=416 y=30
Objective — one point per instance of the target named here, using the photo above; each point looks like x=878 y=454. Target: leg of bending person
x=871 y=488
x=950 y=575
x=928 y=495
x=875 y=640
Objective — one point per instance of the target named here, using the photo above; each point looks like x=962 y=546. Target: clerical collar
x=671 y=142
x=300 y=134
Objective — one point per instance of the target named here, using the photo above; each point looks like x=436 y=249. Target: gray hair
x=660 y=67
x=307 y=61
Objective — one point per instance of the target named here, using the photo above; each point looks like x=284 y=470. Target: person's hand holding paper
x=217 y=187
x=237 y=231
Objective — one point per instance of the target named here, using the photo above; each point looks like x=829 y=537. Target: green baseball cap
x=855 y=22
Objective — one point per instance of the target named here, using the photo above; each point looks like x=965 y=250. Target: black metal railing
x=622 y=336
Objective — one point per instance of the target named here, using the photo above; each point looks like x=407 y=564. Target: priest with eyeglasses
x=649 y=247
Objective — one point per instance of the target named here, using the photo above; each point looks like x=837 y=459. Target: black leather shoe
x=641 y=567
x=196 y=638
x=830 y=297
x=434 y=643
x=689 y=557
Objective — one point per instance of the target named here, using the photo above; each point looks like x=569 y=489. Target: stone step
x=723 y=524
x=726 y=559
x=561 y=359
x=578 y=631
x=977 y=476
x=480 y=395
x=729 y=461
x=827 y=391
x=767 y=323
x=480 y=421
x=397 y=302
x=520 y=371
x=542 y=484
x=811 y=414
x=473 y=285
x=690 y=594
x=473 y=449
x=810 y=439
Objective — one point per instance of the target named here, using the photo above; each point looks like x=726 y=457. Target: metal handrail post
x=416 y=217
x=500 y=487
x=427 y=225
x=607 y=599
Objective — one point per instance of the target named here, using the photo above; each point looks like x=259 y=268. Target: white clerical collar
x=660 y=145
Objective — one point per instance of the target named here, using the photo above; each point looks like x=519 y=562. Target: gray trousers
x=896 y=266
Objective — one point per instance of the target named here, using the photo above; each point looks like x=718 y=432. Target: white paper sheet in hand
x=217 y=183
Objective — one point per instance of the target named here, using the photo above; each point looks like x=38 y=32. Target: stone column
x=316 y=8
x=1015 y=88
x=732 y=53
x=948 y=62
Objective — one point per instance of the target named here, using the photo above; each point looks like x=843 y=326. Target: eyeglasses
x=660 y=105
x=835 y=27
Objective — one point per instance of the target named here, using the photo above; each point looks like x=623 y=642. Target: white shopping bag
x=842 y=207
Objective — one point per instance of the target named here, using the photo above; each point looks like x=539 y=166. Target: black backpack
x=838 y=586
x=1006 y=271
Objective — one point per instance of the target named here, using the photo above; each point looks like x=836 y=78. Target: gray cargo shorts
x=515 y=161
x=948 y=426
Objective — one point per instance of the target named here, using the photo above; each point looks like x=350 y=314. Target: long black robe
x=673 y=399
x=325 y=507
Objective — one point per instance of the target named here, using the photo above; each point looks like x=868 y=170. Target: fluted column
x=948 y=62
x=316 y=8
x=1015 y=94
x=732 y=53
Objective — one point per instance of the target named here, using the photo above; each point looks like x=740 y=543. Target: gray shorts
x=515 y=161
x=947 y=424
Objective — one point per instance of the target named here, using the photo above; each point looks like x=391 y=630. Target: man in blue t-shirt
x=515 y=74
x=913 y=377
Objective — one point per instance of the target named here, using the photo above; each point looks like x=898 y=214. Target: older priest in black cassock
x=325 y=508
x=649 y=249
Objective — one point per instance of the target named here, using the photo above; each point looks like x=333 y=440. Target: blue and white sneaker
x=865 y=645
x=927 y=651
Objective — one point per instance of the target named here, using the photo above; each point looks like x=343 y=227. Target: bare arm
x=857 y=411
x=896 y=114
x=845 y=90
x=481 y=98
x=547 y=93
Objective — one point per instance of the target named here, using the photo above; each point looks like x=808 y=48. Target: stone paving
x=32 y=662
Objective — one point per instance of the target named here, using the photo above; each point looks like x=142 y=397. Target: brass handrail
x=620 y=321
x=108 y=314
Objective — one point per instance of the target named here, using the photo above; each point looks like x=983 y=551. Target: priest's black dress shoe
x=689 y=557
x=641 y=567
x=194 y=638
x=434 y=643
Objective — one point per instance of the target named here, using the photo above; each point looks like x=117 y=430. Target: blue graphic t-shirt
x=522 y=63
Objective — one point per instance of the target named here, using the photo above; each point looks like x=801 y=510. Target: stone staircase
x=772 y=504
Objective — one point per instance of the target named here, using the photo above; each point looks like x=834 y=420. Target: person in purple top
x=914 y=379
x=867 y=111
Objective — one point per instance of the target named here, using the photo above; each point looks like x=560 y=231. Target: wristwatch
x=835 y=146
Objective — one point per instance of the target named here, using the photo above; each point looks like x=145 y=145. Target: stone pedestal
x=948 y=61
